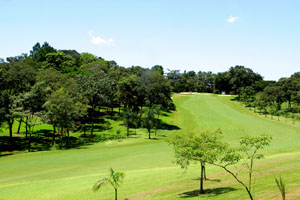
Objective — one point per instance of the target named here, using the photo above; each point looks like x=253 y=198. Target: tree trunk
x=127 y=131
x=10 y=124
x=92 y=129
x=250 y=175
x=29 y=141
x=26 y=127
x=141 y=114
x=19 y=127
x=84 y=130
x=68 y=138
x=149 y=131
x=205 y=178
x=61 y=137
x=53 y=135
x=116 y=194
x=201 y=178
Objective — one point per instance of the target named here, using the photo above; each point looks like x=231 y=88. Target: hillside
x=150 y=173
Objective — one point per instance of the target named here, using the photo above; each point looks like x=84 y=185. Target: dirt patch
x=17 y=134
x=142 y=195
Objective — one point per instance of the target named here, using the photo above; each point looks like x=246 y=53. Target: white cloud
x=232 y=19
x=97 y=40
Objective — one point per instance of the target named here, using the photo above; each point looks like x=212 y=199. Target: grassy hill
x=150 y=173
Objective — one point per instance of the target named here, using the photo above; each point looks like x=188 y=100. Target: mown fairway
x=150 y=173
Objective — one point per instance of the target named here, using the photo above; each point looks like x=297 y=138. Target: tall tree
x=96 y=88
x=63 y=110
x=39 y=53
x=15 y=78
x=129 y=119
x=148 y=120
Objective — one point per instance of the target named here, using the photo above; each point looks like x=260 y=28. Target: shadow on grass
x=165 y=126
x=41 y=140
x=207 y=193
x=212 y=180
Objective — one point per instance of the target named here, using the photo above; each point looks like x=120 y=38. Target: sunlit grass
x=150 y=172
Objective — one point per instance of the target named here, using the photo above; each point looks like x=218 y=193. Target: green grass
x=150 y=173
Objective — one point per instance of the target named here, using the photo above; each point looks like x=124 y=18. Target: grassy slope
x=150 y=173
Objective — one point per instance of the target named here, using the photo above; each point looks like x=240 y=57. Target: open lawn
x=150 y=173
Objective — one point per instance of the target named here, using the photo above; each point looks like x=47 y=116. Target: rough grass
x=150 y=173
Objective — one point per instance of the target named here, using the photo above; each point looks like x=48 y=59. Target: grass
x=150 y=172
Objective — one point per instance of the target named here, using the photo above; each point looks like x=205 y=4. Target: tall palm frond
x=101 y=183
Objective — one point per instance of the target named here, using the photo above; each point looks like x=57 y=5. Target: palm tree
x=115 y=179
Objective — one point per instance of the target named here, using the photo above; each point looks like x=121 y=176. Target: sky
x=199 y=35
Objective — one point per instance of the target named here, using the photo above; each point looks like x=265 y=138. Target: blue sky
x=187 y=35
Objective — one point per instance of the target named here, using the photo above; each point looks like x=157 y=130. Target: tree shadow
x=235 y=99
x=41 y=140
x=165 y=126
x=207 y=193
x=212 y=180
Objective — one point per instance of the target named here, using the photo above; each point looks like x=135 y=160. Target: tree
x=96 y=88
x=39 y=53
x=157 y=113
x=248 y=150
x=205 y=81
x=60 y=62
x=129 y=119
x=241 y=77
x=221 y=82
x=158 y=68
x=203 y=148
x=274 y=96
x=247 y=95
x=209 y=148
x=31 y=104
x=86 y=58
x=148 y=120
x=63 y=110
x=115 y=180
x=15 y=78
x=128 y=87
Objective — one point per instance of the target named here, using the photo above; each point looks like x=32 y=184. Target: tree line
x=68 y=90
x=275 y=98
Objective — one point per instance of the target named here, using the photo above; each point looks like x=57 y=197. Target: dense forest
x=67 y=90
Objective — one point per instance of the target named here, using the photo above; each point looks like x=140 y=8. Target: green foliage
x=60 y=61
x=63 y=109
x=158 y=68
x=86 y=58
x=248 y=151
x=204 y=148
x=39 y=53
